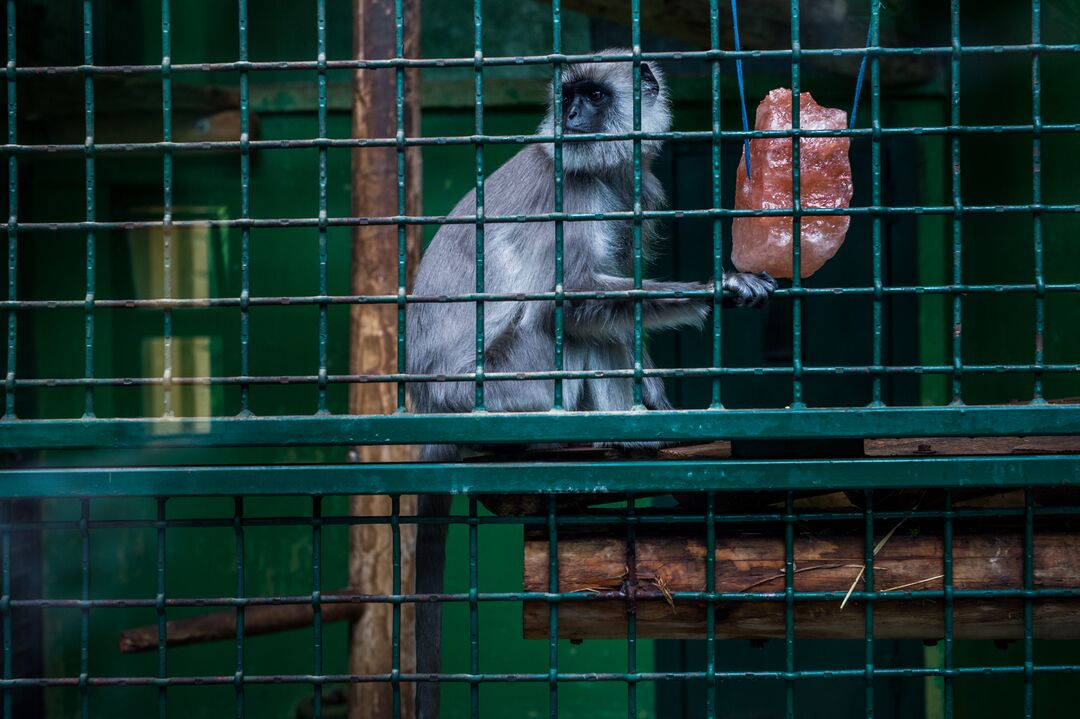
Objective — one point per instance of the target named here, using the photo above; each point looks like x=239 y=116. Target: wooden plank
x=970 y=446
x=826 y=562
x=373 y=344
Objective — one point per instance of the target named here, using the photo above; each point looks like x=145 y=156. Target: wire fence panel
x=166 y=431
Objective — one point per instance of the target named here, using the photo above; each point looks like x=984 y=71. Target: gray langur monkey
x=519 y=258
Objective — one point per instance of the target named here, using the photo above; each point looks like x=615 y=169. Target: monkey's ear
x=648 y=79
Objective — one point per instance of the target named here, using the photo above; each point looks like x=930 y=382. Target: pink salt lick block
x=763 y=244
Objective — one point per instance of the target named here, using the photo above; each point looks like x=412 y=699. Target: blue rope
x=862 y=74
x=742 y=88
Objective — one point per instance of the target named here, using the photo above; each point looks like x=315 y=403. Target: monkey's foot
x=749 y=290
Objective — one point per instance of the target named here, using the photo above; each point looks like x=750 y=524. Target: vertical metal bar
x=1036 y=194
x=395 y=628
x=796 y=222
x=84 y=612
x=1029 y=584
x=553 y=612
x=159 y=606
x=957 y=220
x=5 y=601
x=167 y=203
x=91 y=257
x=402 y=240
x=478 y=108
x=245 y=212
x=639 y=349
x=474 y=610
x=868 y=606
x=789 y=606
x=13 y=218
x=556 y=94
x=875 y=159
x=316 y=602
x=320 y=41
x=717 y=228
x=710 y=609
x=238 y=560
x=631 y=604
x=742 y=85
x=947 y=585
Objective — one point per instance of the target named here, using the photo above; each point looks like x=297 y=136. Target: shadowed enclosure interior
x=875 y=512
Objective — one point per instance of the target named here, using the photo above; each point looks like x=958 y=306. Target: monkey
x=519 y=258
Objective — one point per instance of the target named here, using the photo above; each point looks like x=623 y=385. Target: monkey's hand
x=748 y=290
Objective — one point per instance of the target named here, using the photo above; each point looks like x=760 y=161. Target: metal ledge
x=628 y=476
x=680 y=425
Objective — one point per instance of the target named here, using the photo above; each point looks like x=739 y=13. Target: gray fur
x=520 y=258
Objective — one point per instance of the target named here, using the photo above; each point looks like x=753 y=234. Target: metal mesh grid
x=792 y=524
x=18 y=381
x=711 y=479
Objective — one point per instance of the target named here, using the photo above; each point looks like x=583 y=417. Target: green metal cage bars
x=636 y=478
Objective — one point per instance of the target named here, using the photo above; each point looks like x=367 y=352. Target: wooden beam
x=373 y=348
x=221 y=625
x=969 y=446
x=766 y=25
x=825 y=562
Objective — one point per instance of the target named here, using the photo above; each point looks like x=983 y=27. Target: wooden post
x=374 y=341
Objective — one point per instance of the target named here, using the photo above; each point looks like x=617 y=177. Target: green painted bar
x=245 y=210
x=676 y=425
x=627 y=476
x=238 y=560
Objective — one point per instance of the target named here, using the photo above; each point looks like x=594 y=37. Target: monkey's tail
x=430 y=567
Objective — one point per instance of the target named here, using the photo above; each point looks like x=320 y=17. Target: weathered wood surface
x=220 y=625
x=754 y=562
x=960 y=446
x=373 y=338
x=766 y=25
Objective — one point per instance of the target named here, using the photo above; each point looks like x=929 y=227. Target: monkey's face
x=598 y=98
x=585 y=104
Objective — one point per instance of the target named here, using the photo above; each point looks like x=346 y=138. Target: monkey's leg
x=617 y=394
x=430 y=567
x=653 y=394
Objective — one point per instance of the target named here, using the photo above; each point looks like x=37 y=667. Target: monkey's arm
x=615 y=316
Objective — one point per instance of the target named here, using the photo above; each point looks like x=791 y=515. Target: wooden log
x=969 y=446
x=373 y=342
x=754 y=562
x=217 y=626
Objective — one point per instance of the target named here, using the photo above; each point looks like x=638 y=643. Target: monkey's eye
x=596 y=95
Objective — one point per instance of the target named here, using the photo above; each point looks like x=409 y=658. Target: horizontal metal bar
x=623 y=476
x=308 y=300
x=548 y=59
x=569 y=597
x=352 y=143
x=771 y=517
x=672 y=372
x=629 y=216
x=526 y=677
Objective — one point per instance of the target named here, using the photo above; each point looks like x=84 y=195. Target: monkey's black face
x=585 y=104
